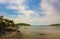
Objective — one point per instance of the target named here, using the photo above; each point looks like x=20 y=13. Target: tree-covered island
x=22 y=24
x=54 y=25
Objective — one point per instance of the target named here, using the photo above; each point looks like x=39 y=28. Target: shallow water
x=40 y=32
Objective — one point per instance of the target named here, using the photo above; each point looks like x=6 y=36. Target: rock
x=43 y=34
x=18 y=31
x=12 y=35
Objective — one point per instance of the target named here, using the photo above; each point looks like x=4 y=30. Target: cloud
x=51 y=12
x=51 y=6
x=1 y=1
x=47 y=8
x=20 y=6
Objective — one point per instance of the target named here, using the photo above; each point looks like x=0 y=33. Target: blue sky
x=35 y=12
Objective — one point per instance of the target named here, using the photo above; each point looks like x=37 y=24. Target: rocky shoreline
x=12 y=35
x=8 y=29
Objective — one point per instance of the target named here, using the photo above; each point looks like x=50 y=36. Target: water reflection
x=41 y=32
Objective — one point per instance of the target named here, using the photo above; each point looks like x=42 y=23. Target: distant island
x=22 y=24
x=54 y=25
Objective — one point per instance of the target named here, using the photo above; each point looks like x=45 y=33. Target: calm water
x=40 y=32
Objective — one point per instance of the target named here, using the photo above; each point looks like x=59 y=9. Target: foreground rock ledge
x=12 y=35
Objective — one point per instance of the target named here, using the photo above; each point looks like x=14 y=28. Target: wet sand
x=32 y=33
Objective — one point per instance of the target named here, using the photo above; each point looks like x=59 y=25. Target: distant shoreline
x=54 y=25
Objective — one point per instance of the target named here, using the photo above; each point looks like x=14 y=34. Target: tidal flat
x=40 y=32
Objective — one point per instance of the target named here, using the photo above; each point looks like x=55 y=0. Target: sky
x=35 y=12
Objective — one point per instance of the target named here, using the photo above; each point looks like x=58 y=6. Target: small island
x=22 y=24
x=54 y=25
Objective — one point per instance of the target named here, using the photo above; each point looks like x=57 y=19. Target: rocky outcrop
x=12 y=35
x=8 y=30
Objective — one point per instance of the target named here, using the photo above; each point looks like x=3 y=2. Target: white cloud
x=47 y=8
x=50 y=10
x=2 y=1
x=20 y=6
x=12 y=1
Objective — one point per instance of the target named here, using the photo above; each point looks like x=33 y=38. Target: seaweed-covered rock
x=12 y=35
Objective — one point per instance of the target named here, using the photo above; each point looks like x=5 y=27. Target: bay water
x=40 y=32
